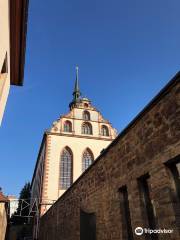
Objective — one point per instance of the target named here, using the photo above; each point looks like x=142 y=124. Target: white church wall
x=57 y=139
x=77 y=145
x=37 y=183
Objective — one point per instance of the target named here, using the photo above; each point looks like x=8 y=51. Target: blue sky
x=126 y=52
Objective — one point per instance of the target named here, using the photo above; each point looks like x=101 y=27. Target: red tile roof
x=3 y=198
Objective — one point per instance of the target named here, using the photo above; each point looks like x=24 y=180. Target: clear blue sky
x=127 y=50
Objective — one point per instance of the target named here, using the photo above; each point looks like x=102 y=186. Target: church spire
x=76 y=92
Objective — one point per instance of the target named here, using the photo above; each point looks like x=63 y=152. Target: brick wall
x=150 y=141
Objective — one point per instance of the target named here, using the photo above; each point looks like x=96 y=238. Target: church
x=132 y=187
x=68 y=148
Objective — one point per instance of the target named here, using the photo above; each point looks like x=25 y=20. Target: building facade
x=72 y=144
x=13 y=204
x=3 y=215
x=13 y=26
x=134 y=183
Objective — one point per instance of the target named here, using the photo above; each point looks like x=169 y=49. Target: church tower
x=69 y=147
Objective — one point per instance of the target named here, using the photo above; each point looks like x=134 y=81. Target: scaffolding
x=31 y=209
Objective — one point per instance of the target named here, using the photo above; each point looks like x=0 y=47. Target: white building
x=74 y=141
x=13 y=202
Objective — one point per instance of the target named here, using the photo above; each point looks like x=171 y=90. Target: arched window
x=66 y=168
x=104 y=131
x=86 y=105
x=87 y=159
x=67 y=126
x=86 y=115
x=86 y=128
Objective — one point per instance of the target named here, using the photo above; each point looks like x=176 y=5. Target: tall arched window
x=86 y=128
x=87 y=159
x=66 y=168
x=67 y=126
x=86 y=115
x=104 y=130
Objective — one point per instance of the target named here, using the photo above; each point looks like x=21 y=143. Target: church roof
x=76 y=92
x=76 y=87
x=85 y=99
x=77 y=97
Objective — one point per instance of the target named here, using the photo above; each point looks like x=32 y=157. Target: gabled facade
x=73 y=142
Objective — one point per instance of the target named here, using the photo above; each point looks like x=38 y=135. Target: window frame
x=126 y=220
x=104 y=129
x=85 y=165
x=86 y=113
x=66 y=178
x=66 y=124
x=148 y=211
x=86 y=131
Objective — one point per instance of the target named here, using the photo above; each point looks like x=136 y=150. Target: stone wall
x=19 y=232
x=147 y=147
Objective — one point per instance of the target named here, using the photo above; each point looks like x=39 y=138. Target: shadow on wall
x=19 y=232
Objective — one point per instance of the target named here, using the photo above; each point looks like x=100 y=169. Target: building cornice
x=18 y=29
x=80 y=136
x=83 y=108
x=80 y=119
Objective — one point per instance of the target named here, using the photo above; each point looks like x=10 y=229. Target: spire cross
x=77 y=69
